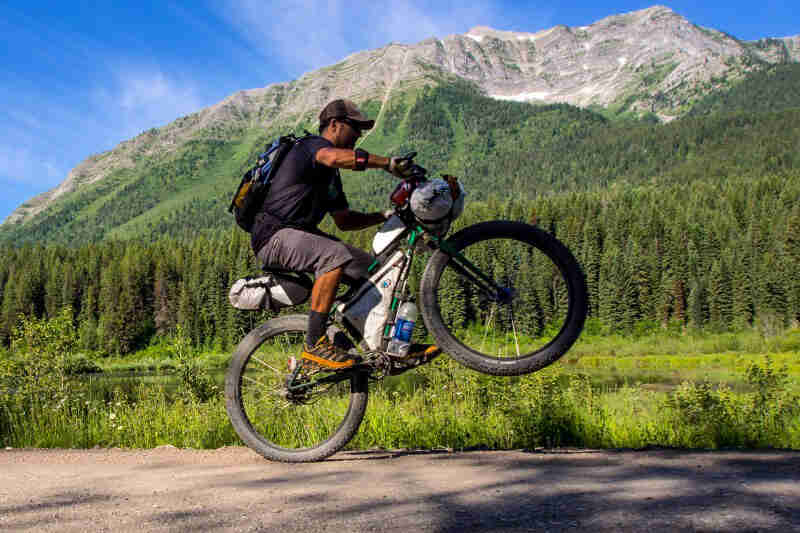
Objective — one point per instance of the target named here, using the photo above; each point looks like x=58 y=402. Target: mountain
x=773 y=88
x=646 y=63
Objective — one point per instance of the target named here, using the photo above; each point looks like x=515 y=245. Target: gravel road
x=233 y=489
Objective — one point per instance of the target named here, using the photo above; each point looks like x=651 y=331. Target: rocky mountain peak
x=652 y=60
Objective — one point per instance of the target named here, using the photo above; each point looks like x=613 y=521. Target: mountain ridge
x=604 y=64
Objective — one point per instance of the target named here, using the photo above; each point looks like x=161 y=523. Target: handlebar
x=417 y=172
x=416 y=175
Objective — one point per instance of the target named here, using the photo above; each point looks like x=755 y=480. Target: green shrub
x=709 y=417
x=41 y=351
x=197 y=384
x=81 y=365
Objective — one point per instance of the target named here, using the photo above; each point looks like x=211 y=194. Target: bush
x=41 y=351
x=711 y=417
x=197 y=384
x=81 y=365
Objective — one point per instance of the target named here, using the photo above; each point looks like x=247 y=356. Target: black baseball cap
x=345 y=109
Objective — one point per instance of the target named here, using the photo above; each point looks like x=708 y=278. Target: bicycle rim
x=536 y=321
x=293 y=427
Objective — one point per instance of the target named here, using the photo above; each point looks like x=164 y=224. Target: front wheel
x=308 y=425
x=503 y=298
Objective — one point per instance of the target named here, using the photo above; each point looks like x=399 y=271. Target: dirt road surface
x=233 y=489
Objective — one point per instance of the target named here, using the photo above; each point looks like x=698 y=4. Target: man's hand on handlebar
x=401 y=167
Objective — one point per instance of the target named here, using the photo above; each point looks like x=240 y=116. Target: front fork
x=465 y=268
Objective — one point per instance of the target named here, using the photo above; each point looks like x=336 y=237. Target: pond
x=129 y=383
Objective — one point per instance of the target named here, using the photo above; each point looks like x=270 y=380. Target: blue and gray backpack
x=255 y=182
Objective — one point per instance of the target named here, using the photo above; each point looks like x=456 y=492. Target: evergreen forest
x=694 y=223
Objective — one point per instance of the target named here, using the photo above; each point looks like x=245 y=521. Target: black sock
x=316 y=327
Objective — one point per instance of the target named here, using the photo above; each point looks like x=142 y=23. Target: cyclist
x=305 y=187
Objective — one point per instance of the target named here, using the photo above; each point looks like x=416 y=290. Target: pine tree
x=792 y=247
x=87 y=321
x=613 y=287
x=720 y=298
x=591 y=261
x=742 y=302
x=8 y=311
x=698 y=309
x=53 y=287
x=112 y=319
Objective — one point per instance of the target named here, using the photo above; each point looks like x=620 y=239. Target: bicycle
x=523 y=303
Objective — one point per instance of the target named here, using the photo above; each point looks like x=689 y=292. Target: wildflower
x=112 y=416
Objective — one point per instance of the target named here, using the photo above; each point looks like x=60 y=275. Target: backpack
x=255 y=182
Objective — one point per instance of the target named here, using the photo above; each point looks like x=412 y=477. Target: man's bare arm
x=347 y=220
x=344 y=158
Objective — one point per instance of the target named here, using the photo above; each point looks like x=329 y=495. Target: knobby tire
x=530 y=237
x=238 y=413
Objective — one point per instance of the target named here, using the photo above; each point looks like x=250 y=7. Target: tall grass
x=446 y=406
x=150 y=417
x=459 y=409
x=441 y=405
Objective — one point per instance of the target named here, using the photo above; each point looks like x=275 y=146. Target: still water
x=127 y=383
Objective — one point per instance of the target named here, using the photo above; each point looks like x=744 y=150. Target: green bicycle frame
x=460 y=264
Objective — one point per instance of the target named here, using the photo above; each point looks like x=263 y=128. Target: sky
x=78 y=77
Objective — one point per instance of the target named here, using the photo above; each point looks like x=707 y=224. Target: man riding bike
x=305 y=187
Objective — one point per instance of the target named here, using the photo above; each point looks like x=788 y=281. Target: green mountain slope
x=496 y=147
x=775 y=88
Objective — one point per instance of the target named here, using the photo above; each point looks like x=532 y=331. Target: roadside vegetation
x=610 y=391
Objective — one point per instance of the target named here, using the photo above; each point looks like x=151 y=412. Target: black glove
x=400 y=166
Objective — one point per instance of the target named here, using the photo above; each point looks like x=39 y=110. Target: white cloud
x=40 y=144
x=24 y=165
x=142 y=98
x=308 y=34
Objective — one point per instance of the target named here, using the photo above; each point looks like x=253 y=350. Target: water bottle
x=403 y=328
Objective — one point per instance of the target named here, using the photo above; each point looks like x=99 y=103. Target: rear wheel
x=504 y=298
x=291 y=427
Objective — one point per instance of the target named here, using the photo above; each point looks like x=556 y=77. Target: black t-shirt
x=302 y=192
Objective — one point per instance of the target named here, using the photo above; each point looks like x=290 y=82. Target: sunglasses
x=353 y=124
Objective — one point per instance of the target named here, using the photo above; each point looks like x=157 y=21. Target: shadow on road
x=408 y=490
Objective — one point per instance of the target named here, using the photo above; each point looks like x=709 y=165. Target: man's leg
x=322 y=295
x=301 y=251
x=319 y=351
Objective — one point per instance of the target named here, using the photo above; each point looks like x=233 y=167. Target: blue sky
x=79 y=77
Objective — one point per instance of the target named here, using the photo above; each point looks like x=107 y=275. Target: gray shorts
x=301 y=251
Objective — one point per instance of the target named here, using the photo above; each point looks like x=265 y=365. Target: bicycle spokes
x=504 y=297
x=291 y=408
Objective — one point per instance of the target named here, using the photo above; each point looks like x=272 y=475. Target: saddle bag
x=271 y=291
